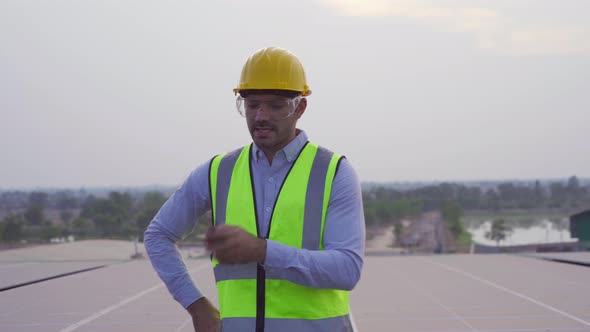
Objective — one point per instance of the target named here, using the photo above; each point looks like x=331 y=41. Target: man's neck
x=269 y=156
x=270 y=153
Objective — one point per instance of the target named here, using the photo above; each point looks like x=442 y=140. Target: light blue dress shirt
x=338 y=266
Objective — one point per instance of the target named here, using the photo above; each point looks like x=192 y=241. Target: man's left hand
x=233 y=245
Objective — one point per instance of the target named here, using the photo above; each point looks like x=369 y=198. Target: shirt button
x=267 y=209
x=271 y=179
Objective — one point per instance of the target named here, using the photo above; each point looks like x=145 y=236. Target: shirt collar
x=290 y=152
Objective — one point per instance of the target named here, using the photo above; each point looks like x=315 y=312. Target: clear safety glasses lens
x=279 y=108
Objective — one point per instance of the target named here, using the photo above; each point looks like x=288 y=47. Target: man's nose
x=262 y=113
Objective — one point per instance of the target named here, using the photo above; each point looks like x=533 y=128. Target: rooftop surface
x=442 y=293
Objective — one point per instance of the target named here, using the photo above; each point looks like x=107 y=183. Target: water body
x=537 y=231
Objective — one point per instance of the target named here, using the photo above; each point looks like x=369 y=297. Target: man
x=287 y=240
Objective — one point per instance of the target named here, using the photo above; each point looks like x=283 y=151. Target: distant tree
x=469 y=198
x=397 y=232
x=525 y=198
x=66 y=215
x=573 y=184
x=558 y=194
x=492 y=200
x=383 y=210
x=452 y=213
x=111 y=216
x=386 y=211
x=34 y=214
x=82 y=227
x=66 y=200
x=147 y=210
x=574 y=191
x=370 y=213
x=433 y=197
x=12 y=228
x=405 y=207
x=37 y=198
x=508 y=195
x=539 y=194
x=50 y=231
x=499 y=231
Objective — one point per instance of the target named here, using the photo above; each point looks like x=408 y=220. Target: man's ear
x=301 y=108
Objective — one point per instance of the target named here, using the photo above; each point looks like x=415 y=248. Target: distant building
x=580 y=226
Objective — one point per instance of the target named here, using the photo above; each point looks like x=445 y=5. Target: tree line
x=116 y=216
x=388 y=205
x=40 y=216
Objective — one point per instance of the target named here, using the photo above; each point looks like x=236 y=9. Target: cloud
x=495 y=30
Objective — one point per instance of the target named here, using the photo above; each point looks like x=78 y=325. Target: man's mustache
x=263 y=124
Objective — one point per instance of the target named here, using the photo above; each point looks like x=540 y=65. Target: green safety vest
x=251 y=298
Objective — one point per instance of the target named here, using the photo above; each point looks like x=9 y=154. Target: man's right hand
x=205 y=316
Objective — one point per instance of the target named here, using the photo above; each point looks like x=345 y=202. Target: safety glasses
x=277 y=108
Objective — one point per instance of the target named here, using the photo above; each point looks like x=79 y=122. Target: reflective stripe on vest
x=301 y=208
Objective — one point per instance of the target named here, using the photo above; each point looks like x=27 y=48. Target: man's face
x=272 y=120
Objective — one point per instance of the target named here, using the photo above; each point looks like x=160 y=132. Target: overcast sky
x=104 y=92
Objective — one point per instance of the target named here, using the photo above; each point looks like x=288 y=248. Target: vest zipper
x=260 y=272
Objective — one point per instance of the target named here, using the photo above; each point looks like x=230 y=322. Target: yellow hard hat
x=273 y=68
